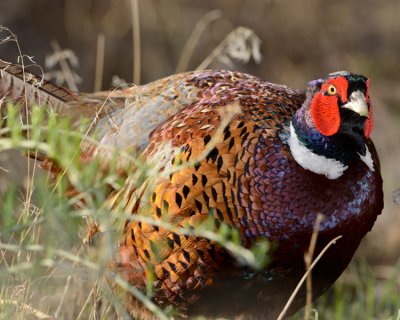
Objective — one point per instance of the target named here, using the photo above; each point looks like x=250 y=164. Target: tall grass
x=47 y=269
x=361 y=293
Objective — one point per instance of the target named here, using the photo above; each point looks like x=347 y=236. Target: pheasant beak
x=357 y=103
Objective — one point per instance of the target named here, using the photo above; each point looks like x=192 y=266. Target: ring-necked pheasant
x=284 y=156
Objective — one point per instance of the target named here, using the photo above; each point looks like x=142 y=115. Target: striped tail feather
x=26 y=89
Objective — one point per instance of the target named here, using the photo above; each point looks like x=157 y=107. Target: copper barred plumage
x=284 y=156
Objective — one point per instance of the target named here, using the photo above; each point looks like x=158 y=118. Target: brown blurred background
x=301 y=40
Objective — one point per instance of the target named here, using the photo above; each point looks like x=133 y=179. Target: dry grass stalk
x=99 y=62
x=61 y=57
x=136 y=41
x=27 y=308
x=308 y=260
x=296 y=290
x=30 y=169
x=240 y=44
x=194 y=38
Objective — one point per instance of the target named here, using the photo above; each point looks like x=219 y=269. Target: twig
x=308 y=259
x=215 y=53
x=194 y=38
x=60 y=304
x=30 y=170
x=296 y=290
x=66 y=70
x=136 y=41
x=28 y=308
x=99 y=62
x=86 y=303
x=240 y=44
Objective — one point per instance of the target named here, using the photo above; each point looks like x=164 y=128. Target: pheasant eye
x=332 y=90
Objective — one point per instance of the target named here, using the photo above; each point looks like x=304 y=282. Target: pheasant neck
x=311 y=152
x=327 y=155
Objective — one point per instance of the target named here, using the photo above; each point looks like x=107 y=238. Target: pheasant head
x=330 y=130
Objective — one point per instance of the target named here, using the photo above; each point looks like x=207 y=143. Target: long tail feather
x=26 y=89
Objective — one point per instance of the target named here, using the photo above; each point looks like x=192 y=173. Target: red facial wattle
x=325 y=113
x=369 y=123
x=325 y=108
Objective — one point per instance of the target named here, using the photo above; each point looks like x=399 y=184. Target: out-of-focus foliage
x=42 y=240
